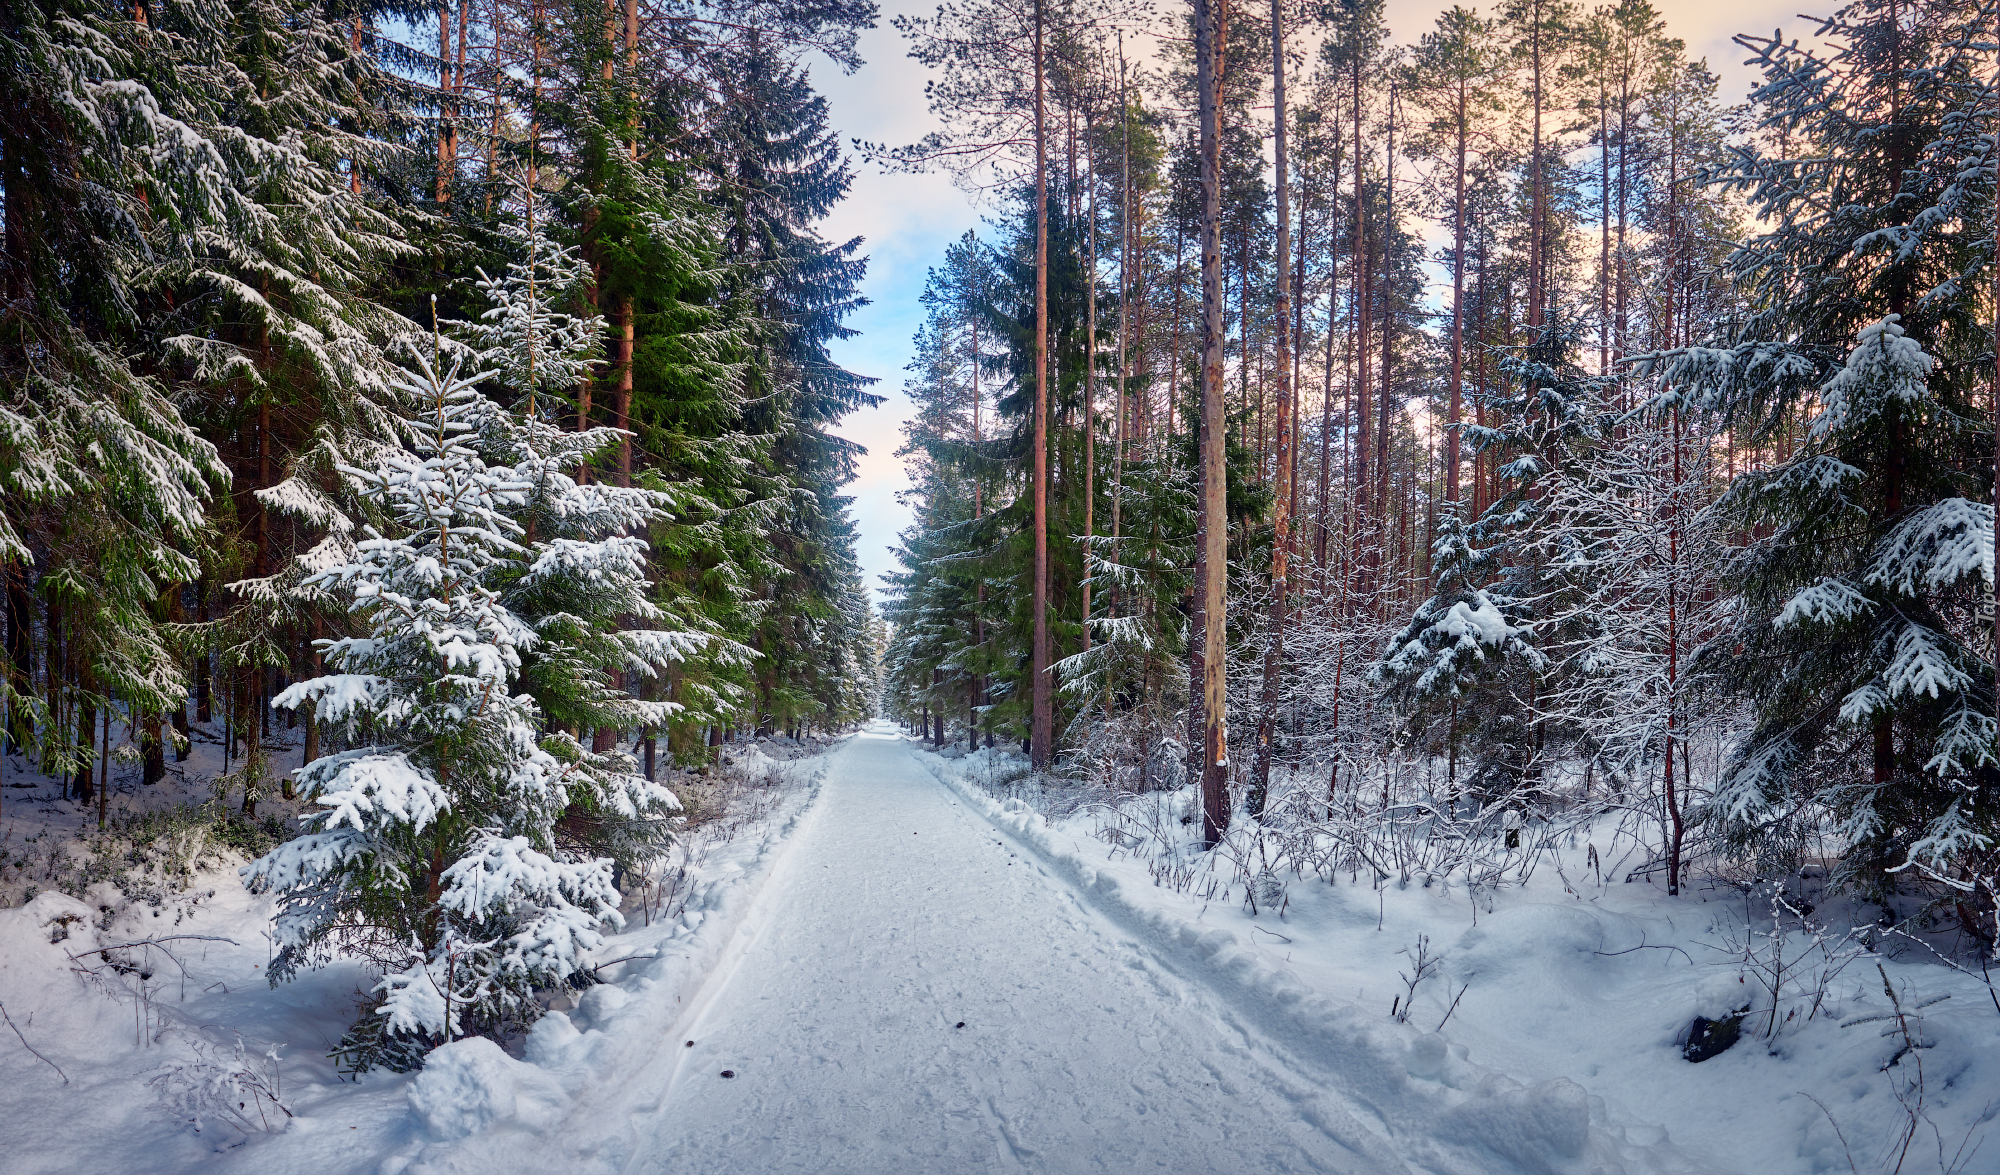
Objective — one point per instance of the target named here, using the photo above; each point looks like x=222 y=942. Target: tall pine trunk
x=1363 y=306
x=1604 y=228
x=1537 y=200
x=1382 y=419
x=1455 y=420
x=1042 y=730
x=1281 y=521
x=1089 y=372
x=1214 y=476
x=20 y=652
x=1323 y=532
x=1124 y=321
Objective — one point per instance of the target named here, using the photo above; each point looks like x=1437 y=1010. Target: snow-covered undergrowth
x=162 y=847
x=1540 y=1002
x=178 y=1055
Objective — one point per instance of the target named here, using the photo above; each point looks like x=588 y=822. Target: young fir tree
x=1602 y=554
x=1508 y=595
x=1865 y=365
x=591 y=588
x=1461 y=662
x=454 y=847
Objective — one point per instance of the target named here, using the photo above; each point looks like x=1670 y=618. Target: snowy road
x=913 y=995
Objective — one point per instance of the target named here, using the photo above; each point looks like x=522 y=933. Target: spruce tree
x=1858 y=640
x=445 y=847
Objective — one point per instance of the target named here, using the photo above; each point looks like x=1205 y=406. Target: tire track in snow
x=755 y=922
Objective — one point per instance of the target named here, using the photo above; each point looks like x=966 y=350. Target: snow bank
x=1573 y=975
x=641 y=1007
x=470 y=1085
x=133 y=1051
x=111 y=1034
x=36 y=984
x=1537 y=1129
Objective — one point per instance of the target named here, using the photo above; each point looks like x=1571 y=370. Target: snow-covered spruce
x=436 y=850
x=531 y=344
x=1864 y=593
x=1445 y=649
x=1856 y=634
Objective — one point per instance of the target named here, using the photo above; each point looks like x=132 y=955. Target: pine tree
x=178 y=238
x=1452 y=79
x=780 y=170
x=1504 y=610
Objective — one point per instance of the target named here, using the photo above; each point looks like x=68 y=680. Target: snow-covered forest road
x=896 y=916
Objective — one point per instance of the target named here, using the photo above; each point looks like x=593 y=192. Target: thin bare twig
x=651 y=954
x=1646 y=947
x=1454 y=1006
x=1836 y=1130
x=1985 y=975
x=153 y=942
x=29 y=1047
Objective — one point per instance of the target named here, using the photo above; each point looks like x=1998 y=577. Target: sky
x=907 y=221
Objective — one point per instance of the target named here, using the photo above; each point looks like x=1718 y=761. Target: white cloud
x=906 y=221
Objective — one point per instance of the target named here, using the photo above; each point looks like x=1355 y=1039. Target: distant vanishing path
x=895 y=916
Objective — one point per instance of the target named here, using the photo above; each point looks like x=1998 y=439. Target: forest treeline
x=232 y=228
x=1471 y=428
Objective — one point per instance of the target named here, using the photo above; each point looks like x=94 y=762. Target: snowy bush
x=236 y=1087
x=472 y=1085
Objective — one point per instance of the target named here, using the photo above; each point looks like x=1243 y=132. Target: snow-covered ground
x=921 y=989
x=131 y=1041
x=899 y=972
x=916 y=993
x=1575 y=979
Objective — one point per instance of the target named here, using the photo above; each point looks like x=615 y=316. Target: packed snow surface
x=918 y=994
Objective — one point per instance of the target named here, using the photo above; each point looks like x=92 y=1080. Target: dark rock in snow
x=960 y=1024
x=1709 y=1038
x=729 y=1072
